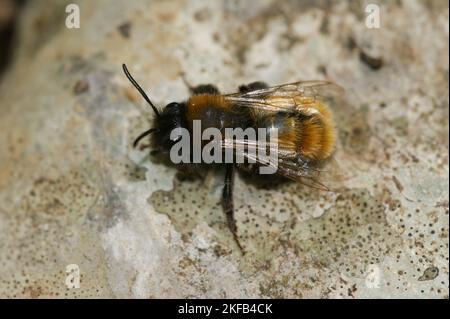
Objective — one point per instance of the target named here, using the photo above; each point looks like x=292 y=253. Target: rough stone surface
x=73 y=191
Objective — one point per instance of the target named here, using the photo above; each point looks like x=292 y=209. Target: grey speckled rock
x=73 y=191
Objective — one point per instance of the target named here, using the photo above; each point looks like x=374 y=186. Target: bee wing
x=287 y=97
x=287 y=163
x=328 y=178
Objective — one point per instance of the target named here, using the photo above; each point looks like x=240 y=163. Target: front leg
x=227 y=203
x=200 y=89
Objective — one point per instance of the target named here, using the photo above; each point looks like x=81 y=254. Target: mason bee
x=306 y=131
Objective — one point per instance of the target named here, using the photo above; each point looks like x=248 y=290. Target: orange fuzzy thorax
x=197 y=104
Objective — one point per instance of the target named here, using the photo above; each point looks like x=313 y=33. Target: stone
x=73 y=191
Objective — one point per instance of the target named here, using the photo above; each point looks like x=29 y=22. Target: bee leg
x=227 y=203
x=200 y=89
x=155 y=152
x=144 y=146
x=205 y=89
x=252 y=86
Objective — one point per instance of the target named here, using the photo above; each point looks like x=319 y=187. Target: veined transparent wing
x=285 y=161
x=290 y=97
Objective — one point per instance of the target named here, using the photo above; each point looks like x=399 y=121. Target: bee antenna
x=137 y=86
x=140 y=137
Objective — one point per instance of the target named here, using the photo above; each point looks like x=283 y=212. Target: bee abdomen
x=317 y=134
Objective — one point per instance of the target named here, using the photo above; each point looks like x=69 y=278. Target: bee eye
x=172 y=105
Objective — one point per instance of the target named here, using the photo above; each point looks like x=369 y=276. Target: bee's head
x=168 y=126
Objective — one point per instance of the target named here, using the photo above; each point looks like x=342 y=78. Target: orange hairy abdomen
x=318 y=134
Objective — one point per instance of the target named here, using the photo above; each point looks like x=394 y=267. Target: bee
x=304 y=122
